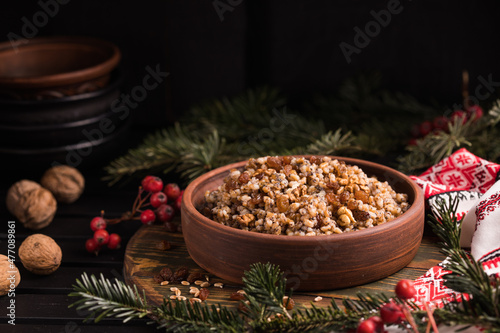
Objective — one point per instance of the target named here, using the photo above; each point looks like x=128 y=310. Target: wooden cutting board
x=143 y=260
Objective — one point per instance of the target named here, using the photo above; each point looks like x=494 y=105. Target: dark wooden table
x=41 y=302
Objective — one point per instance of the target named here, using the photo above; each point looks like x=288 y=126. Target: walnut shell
x=40 y=254
x=66 y=183
x=9 y=275
x=31 y=204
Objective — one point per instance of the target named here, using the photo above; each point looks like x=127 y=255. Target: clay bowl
x=55 y=67
x=308 y=262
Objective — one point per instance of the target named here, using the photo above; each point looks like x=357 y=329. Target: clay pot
x=55 y=67
x=309 y=262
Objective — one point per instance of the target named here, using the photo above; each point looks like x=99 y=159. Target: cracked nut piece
x=66 y=183
x=9 y=275
x=33 y=205
x=40 y=254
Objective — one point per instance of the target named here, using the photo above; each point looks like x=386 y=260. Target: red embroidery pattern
x=430 y=288
x=461 y=171
x=485 y=207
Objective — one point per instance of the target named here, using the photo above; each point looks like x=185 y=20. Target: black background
x=290 y=44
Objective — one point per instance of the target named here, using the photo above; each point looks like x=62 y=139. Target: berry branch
x=154 y=203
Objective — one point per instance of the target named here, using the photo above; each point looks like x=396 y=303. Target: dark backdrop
x=217 y=48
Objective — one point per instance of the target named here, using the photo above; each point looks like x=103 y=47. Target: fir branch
x=105 y=299
x=331 y=143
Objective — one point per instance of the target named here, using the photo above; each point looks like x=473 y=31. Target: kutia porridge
x=302 y=196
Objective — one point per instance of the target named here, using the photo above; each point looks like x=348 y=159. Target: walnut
x=31 y=204
x=9 y=275
x=66 y=183
x=40 y=254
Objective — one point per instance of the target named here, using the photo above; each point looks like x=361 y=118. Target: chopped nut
x=218 y=284
x=241 y=291
x=174 y=289
x=164 y=283
x=185 y=283
x=195 y=299
x=318 y=298
x=163 y=245
x=198 y=282
x=205 y=285
x=173 y=297
x=193 y=290
x=181 y=298
x=178 y=292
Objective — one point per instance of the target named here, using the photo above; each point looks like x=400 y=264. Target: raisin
x=163 y=245
x=256 y=199
x=274 y=163
x=166 y=274
x=283 y=203
x=333 y=186
x=362 y=195
x=287 y=160
x=315 y=160
x=243 y=307
x=158 y=278
x=244 y=178
x=231 y=184
x=258 y=175
x=203 y=294
x=344 y=197
x=180 y=274
x=194 y=276
x=237 y=296
x=360 y=215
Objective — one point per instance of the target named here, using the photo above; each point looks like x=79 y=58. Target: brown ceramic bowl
x=55 y=67
x=309 y=262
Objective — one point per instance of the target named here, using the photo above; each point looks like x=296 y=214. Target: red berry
x=98 y=223
x=101 y=236
x=92 y=246
x=114 y=241
x=152 y=184
x=475 y=112
x=412 y=142
x=172 y=190
x=148 y=216
x=391 y=313
x=459 y=115
x=366 y=326
x=165 y=213
x=178 y=201
x=440 y=123
x=145 y=181
x=157 y=199
x=405 y=289
x=425 y=128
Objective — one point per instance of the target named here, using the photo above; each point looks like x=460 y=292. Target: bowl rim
x=417 y=205
x=54 y=80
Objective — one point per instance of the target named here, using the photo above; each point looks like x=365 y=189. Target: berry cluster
x=440 y=123
x=154 y=203
x=391 y=312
